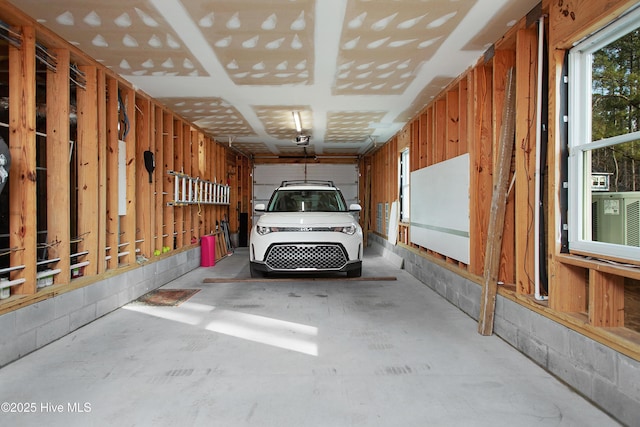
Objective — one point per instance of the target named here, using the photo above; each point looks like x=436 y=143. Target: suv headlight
x=349 y=229
x=262 y=230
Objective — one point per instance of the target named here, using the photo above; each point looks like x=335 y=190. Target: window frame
x=581 y=143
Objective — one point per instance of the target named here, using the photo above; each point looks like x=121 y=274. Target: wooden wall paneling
x=215 y=177
x=502 y=62
x=234 y=191
x=178 y=166
x=58 y=172
x=414 y=148
x=392 y=182
x=606 y=299
x=481 y=181
x=570 y=292
x=430 y=146
x=211 y=161
x=186 y=165
x=421 y=145
x=453 y=123
x=375 y=191
x=382 y=188
x=144 y=194
x=230 y=167
x=221 y=177
x=560 y=295
x=87 y=156
x=113 y=219
x=380 y=178
x=22 y=178
x=128 y=221
x=158 y=183
x=440 y=130
x=393 y=164
x=368 y=199
x=463 y=111
x=101 y=230
x=236 y=194
x=204 y=169
x=573 y=20
x=218 y=176
x=385 y=186
x=168 y=227
x=245 y=186
x=526 y=72
x=196 y=209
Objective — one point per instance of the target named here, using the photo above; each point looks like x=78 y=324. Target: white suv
x=306 y=227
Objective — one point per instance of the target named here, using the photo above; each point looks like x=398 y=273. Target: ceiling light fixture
x=302 y=140
x=296 y=119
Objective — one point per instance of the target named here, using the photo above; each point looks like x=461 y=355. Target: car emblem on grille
x=306 y=228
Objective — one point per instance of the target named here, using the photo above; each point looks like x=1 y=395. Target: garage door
x=268 y=177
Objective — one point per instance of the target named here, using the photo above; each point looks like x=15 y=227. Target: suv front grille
x=305 y=256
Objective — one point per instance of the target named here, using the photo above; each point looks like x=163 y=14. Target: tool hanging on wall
x=5 y=163
x=149 y=164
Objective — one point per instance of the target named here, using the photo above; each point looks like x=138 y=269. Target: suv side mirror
x=259 y=207
x=354 y=207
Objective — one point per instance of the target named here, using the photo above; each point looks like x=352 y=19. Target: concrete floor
x=288 y=353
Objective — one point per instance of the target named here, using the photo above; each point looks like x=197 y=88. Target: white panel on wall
x=440 y=208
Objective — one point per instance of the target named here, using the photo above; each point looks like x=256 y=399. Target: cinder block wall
x=609 y=379
x=32 y=327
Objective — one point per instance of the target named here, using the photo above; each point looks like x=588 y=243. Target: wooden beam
x=453 y=124
x=464 y=104
x=571 y=21
x=186 y=167
x=128 y=221
x=178 y=153
x=526 y=68
x=440 y=133
x=421 y=145
x=606 y=299
x=570 y=293
x=210 y=217
x=144 y=193
x=480 y=151
x=503 y=60
x=87 y=165
x=58 y=172
x=157 y=219
x=101 y=91
x=22 y=175
x=429 y=145
x=113 y=219
x=167 y=182
x=497 y=214
x=200 y=170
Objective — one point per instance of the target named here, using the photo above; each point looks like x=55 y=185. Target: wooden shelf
x=609 y=267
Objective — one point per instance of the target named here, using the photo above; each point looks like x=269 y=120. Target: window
x=404 y=185
x=604 y=141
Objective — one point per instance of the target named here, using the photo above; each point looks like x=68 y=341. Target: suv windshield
x=286 y=200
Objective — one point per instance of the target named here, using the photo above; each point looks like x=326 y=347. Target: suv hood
x=306 y=218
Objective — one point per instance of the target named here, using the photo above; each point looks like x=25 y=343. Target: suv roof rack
x=306 y=182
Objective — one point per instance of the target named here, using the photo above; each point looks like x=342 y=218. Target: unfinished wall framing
x=595 y=298
x=82 y=142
